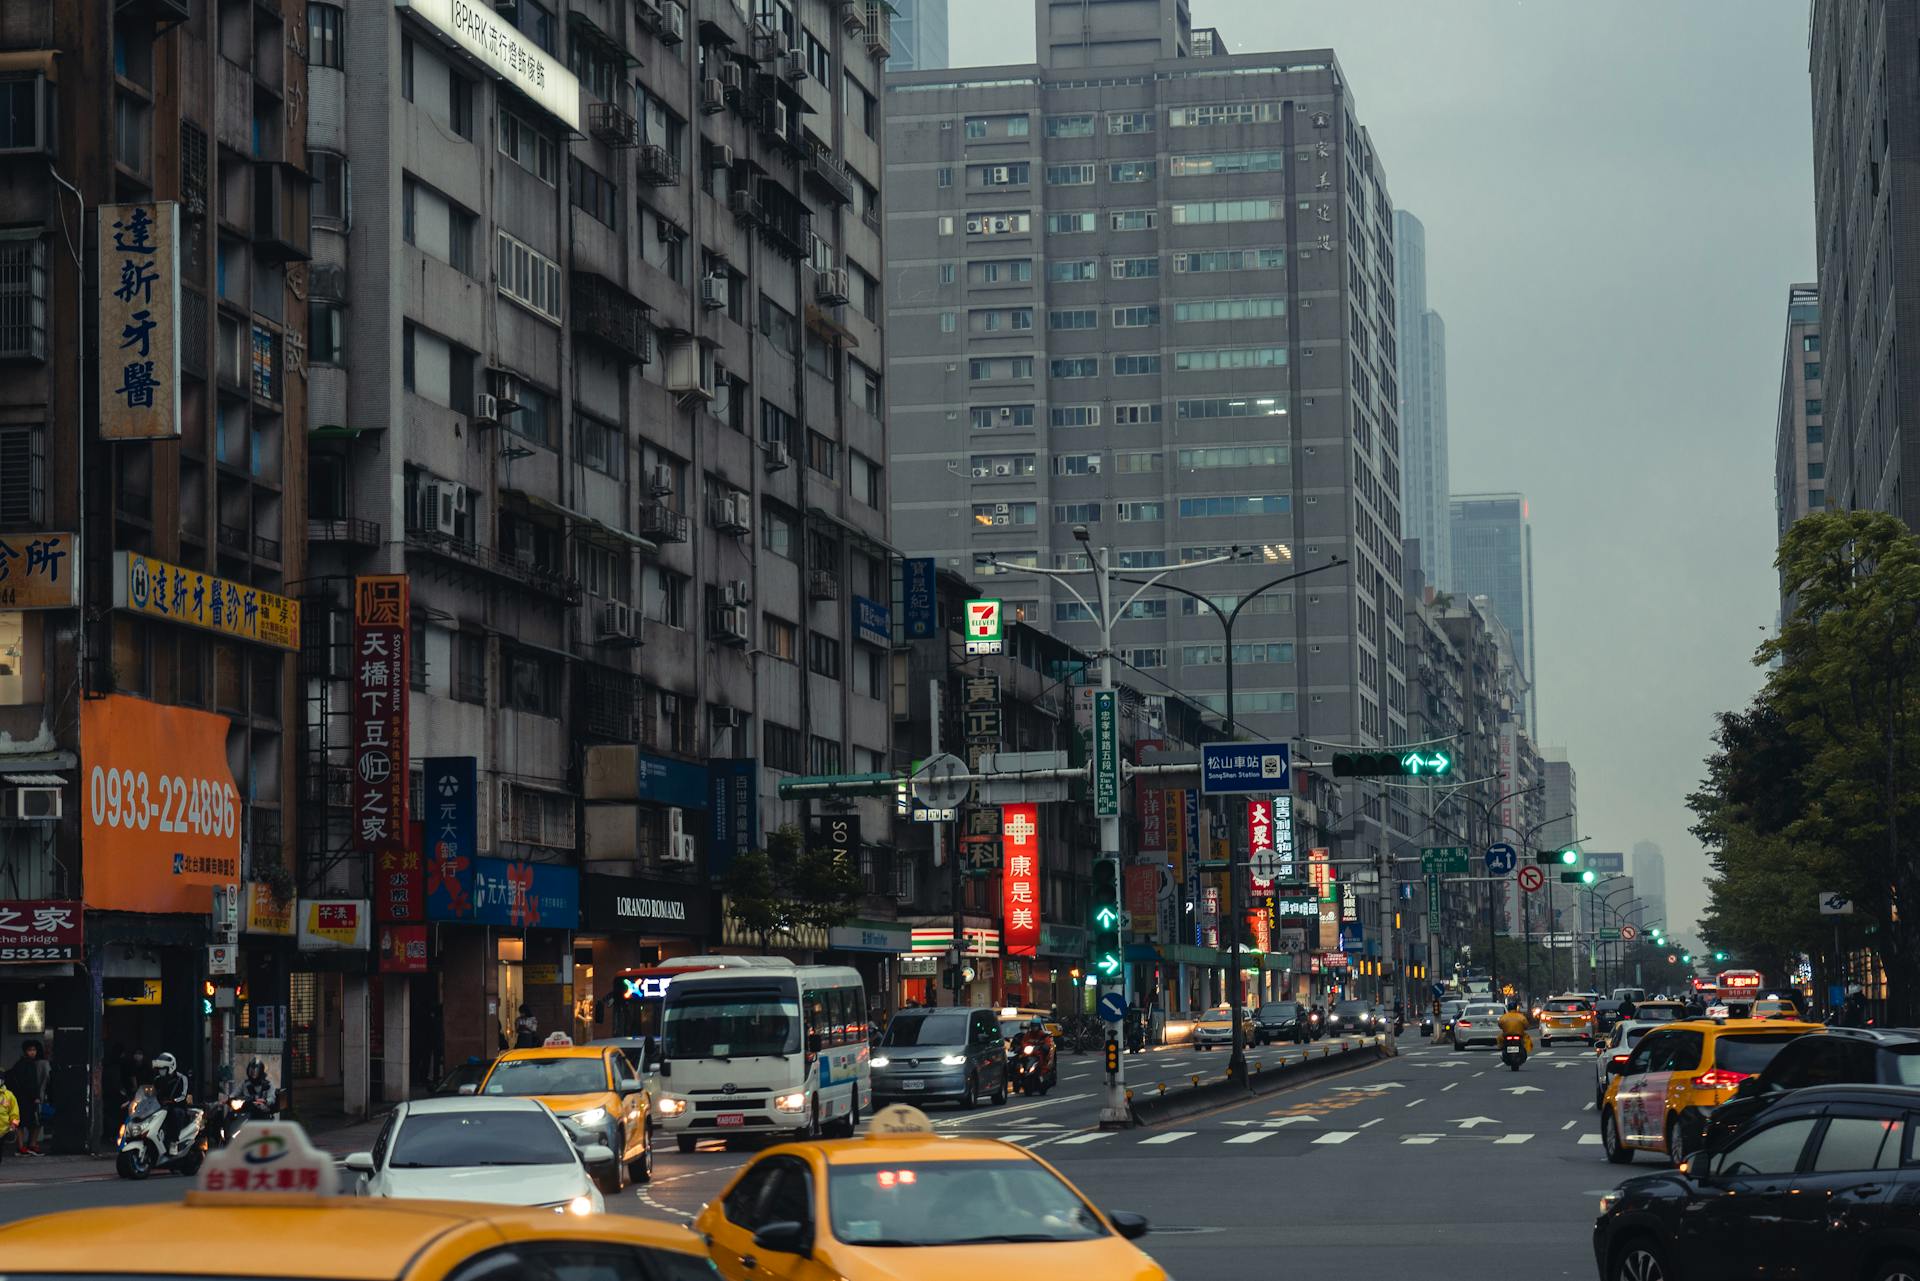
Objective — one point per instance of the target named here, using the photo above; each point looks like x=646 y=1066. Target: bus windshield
x=728 y=1021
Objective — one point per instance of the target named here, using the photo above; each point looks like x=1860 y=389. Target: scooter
x=1316 y=1027
x=1029 y=1074
x=1513 y=1050
x=237 y=1111
x=141 y=1148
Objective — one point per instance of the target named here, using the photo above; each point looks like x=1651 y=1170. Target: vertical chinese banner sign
x=139 y=321
x=1020 y=878
x=380 y=688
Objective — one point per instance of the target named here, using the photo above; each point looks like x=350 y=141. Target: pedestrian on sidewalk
x=27 y=1079
x=526 y=1030
x=9 y=1118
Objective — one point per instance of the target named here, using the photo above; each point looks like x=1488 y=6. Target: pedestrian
x=526 y=1030
x=27 y=1079
x=9 y=1118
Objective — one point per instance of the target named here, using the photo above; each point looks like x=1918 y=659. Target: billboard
x=381 y=686
x=1020 y=878
x=36 y=571
x=139 y=311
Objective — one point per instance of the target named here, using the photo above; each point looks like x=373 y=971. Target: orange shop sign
x=267 y=915
x=161 y=822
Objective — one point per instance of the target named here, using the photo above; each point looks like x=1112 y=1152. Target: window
x=23 y=293
x=1135 y=268
x=326 y=333
x=823 y=757
x=534 y=682
x=26 y=114
x=1135 y=317
x=779 y=325
x=1073 y=270
x=987 y=564
x=1810 y=342
x=668 y=600
x=1069 y=175
x=1141 y=363
x=1135 y=414
x=1073 y=126
x=460 y=105
x=984 y=417
x=1068 y=224
x=593 y=192
x=529 y=277
x=862 y=110
x=1231 y=358
x=600 y=445
x=1235 y=457
x=949 y=321
x=598 y=69
x=1011 y=175
x=1816 y=471
x=527 y=147
x=1205 y=163
x=1239 y=407
x=1215 y=655
x=819 y=61
x=946 y=225
x=997 y=515
x=1071 y=611
x=1075 y=367
x=330 y=191
x=23 y=464
x=1810 y=370
x=324 y=48
x=975 y=128
x=1019 y=127
x=784 y=749
x=1815 y=434
x=1813 y=408
x=823 y=655
x=1816 y=498
x=1238 y=505
x=776 y=530
x=984 y=466
x=1073 y=416
x=777 y=426
x=1223 y=113
x=406 y=67
x=1129 y=122
x=1209 y=211
x=1073 y=318
x=537 y=21
x=1143 y=658
x=779 y=638
x=1076 y=513
x=823 y=454
x=1137 y=462
x=1143 y=509
x=469 y=680
x=1230 y=260
x=1774 y=1150
x=1134 y=219
x=943 y=176
x=1206 y=309
x=947 y=273
x=1859 y=1143
x=1132 y=171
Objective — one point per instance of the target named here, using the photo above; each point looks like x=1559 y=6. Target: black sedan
x=1820 y=1185
x=1280 y=1021
x=1838 y=1056
x=1353 y=1018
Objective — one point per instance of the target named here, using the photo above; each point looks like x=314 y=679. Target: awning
x=587 y=27
x=35 y=780
x=601 y=532
x=40 y=60
x=39 y=762
x=539 y=503
x=855 y=534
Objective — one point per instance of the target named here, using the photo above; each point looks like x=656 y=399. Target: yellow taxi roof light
x=899 y=1120
x=272 y=1157
x=557 y=1041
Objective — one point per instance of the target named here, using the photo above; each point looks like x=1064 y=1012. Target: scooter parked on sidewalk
x=143 y=1148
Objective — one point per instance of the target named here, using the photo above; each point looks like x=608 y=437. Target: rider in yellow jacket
x=1514 y=1023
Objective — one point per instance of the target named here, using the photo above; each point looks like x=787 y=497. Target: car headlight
x=592 y=1116
x=576 y=1205
x=880 y=1060
x=953 y=1060
x=1025 y=1049
x=795 y=1102
x=670 y=1106
x=1608 y=1201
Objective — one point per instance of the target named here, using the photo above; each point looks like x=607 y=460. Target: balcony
x=828 y=173
x=462 y=557
x=348 y=531
x=611 y=316
x=879 y=26
x=658 y=167
x=662 y=523
x=746 y=207
x=613 y=126
x=234 y=538
x=823 y=584
x=871 y=216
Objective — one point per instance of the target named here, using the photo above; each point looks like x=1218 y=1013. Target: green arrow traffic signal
x=1719 y=956
x=1107 y=963
x=1387 y=763
x=1431 y=763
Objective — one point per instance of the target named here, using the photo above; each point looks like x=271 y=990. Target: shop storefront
x=930 y=954
x=501 y=944
x=874 y=949
x=1057 y=971
x=628 y=923
x=331 y=1028
x=44 y=997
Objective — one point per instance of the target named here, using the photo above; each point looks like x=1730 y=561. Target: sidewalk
x=338 y=1135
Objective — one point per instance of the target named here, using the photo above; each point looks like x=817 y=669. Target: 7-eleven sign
x=983 y=627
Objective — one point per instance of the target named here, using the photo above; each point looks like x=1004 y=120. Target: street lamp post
x=1237 y=1060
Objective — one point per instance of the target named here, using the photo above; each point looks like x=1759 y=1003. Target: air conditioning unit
x=649 y=13
x=673 y=26
x=731 y=624
x=1003 y=469
x=778 y=459
x=503 y=387
x=1000 y=174
x=982 y=472
x=32 y=804
x=728 y=599
x=832 y=286
x=486 y=409
x=713 y=96
x=713 y=292
x=778 y=121
x=441 y=500
x=676 y=822
x=727 y=717
x=679 y=849
x=742 y=590
x=733 y=514
x=734 y=77
x=1002 y=224
x=721 y=157
x=616 y=621
x=1006 y=411
x=793 y=65
x=327 y=282
x=660 y=480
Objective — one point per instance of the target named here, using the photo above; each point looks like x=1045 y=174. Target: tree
x=770 y=891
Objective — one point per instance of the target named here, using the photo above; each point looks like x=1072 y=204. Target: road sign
x=1501 y=859
x=1113 y=1006
x=1106 y=753
x=1531 y=879
x=1628 y=933
x=983 y=627
x=1014 y=791
x=1433 y=902
x=1448 y=860
x=939 y=784
x=1835 y=904
x=1227 y=768
x=1607 y=934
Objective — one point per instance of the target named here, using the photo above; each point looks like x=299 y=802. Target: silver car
x=1618 y=1045
x=1476 y=1024
x=947 y=1053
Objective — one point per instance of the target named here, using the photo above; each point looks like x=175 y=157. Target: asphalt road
x=1432 y=1164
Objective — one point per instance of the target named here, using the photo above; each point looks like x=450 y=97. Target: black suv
x=1280 y=1021
x=1820 y=1184
x=1838 y=1056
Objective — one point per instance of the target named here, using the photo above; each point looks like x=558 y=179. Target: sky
x=1616 y=198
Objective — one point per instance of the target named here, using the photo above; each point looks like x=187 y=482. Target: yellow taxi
x=1567 y=1017
x=1658 y=1099
x=263 y=1209
x=594 y=1092
x=903 y=1202
x=1775 y=1007
x=1215 y=1027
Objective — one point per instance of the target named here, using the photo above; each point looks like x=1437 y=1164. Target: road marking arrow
x=1371 y=1089
x=1469 y=1122
x=1564 y=1064
x=1523 y=1089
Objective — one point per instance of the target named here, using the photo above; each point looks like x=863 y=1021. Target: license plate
x=731 y=1118
x=913 y=1085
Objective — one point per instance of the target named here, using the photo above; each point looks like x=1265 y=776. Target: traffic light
x=1390 y=763
x=1113 y=1056
x=1686 y=958
x=1568 y=857
x=1719 y=956
x=1108 y=956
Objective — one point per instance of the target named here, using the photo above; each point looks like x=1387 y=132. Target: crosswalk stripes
x=1094 y=1137
x=1173 y=1136
x=1034 y=1138
x=1253 y=1136
x=1336 y=1136
x=1511 y=1139
x=1589 y=1140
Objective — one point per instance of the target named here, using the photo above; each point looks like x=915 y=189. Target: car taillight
x=1462 y=1023
x=1620 y=1058
x=1720 y=1079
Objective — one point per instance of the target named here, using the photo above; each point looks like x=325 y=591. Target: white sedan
x=504 y=1151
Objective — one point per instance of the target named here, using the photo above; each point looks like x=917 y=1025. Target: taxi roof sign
x=557 y=1041
x=898 y=1119
x=272 y=1157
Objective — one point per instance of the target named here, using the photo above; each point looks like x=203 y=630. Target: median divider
x=1153 y=1102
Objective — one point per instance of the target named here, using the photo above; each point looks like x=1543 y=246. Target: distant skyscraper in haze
x=1799 y=440
x=919 y=35
x=1650 y=874
x=1422 y=337
x=1493 y=557
x=1562 y=798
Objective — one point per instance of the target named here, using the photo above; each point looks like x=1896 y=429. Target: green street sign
x=1447 y=860
x=1106 y=754
x=1433 y=902
x=1608 y=933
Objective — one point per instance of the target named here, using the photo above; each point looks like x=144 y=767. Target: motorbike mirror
x=359 y=1162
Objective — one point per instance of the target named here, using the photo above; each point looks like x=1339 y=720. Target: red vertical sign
x=1020 y=878
x=1259 y=825
x=398 y=890
x=380 y=679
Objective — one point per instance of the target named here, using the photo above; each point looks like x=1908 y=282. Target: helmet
x=1036 y=1024
x=1513 y=1006
x=256 y=1068
x=164 y=1064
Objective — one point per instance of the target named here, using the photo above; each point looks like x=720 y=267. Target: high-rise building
x=920 y=34
x=1799 y=444
x=597 y=365
x=1863 y=62
x=1493 y=557
x=1650 y=874
x=153 y=444
x=1561 y=798
x=1424 y=482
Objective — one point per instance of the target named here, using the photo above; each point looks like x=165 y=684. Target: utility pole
x=956 y=880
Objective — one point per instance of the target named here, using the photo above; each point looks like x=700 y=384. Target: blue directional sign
x=1113 y=1006
x=1228 y=768
x=1501 y=859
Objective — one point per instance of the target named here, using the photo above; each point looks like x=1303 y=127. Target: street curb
x=1223 y=1093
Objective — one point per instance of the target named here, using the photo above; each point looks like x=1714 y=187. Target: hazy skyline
x=1616 y=199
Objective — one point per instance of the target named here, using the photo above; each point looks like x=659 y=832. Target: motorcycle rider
x=257 y=1092
x=1035 y=1035
x=170 y=1091
x=1515 y=1023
